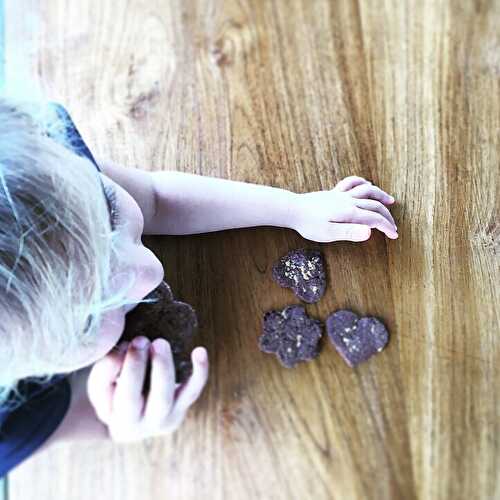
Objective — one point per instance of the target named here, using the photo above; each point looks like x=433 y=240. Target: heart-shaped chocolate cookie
x=290 y=334
x=303 y=271
x=356 y=339
x=168 y=318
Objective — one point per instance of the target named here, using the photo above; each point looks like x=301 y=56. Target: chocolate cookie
x=173 y=320
x=304 y=272
x=356 y=339
x=290 y=334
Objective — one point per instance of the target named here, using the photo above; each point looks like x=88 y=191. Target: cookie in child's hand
x=290 y=334
x=303 y=271
x=173 y=320
x=356 y=339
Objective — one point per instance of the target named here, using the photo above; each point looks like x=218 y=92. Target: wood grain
x=299 y=94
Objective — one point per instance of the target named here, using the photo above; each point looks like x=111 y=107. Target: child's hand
x=115 y=387
x=347 y=212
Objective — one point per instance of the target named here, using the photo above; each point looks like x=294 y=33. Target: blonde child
x=73 y=265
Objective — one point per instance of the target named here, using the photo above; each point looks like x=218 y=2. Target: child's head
x=66 y=275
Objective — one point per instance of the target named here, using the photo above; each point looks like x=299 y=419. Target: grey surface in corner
x=3 y=488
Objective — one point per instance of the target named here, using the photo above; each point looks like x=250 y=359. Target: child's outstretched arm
x=190 y=204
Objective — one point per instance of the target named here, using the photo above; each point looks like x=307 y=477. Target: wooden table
x=299 y=94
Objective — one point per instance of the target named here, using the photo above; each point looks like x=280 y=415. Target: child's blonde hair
x=58 y=251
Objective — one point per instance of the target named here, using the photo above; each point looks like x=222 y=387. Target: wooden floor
x=298 y=94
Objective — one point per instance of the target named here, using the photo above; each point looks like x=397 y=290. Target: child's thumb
x=101 y=382
x=350 y=232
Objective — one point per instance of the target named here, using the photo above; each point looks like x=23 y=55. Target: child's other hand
x=115 y=387
x=347 y=212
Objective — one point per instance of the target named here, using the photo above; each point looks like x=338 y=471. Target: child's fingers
x=101 y=382
x=191 y=390
x=371 y=191
x=162 y=388
x=375 y=220
x=128 y=401
x=350 y=182
x=376 y=206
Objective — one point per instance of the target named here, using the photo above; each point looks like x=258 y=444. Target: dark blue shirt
x=27 y=427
